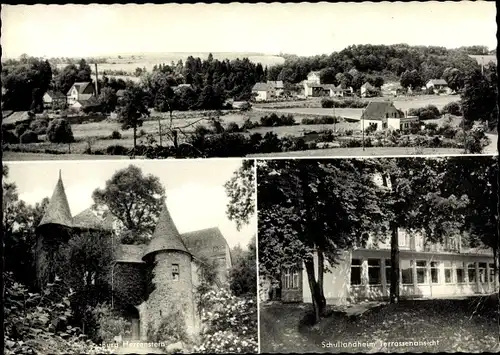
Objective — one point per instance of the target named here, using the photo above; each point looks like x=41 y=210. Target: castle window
x=421 y=272
x=460 y=273
x=291 y=278
x=448 y=271
x=175 y=272
x=482 y=272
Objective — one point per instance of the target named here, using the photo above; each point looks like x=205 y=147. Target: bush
x=28 y=137
x=116 y=135
x=230 y=324
x=20 y=129
x=248 y=124
x=172 y=328
x=233 y=127
x=429 y=112
x=117 y=150
x=370 y=129
x=59 y=131
x=447 y=131
x=109 y=324
x=39 y=126
x=345 y=103
x=320 y=120
x=453 y=108
x=8 y=137
x=273 y=120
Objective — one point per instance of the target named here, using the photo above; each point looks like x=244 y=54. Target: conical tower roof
x=57 y=211
x=166 y=236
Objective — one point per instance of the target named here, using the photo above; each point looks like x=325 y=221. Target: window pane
x=434 y=275
x=356 y=262
x=421 y=263
x=460 y=275
x=373 y=262
x=447 y=276
x=492 y=273
x=406 y=272
x=471 y=270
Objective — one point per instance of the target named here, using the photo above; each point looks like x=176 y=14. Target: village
x=310 y=117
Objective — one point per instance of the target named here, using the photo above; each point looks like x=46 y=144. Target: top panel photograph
x=248 y=80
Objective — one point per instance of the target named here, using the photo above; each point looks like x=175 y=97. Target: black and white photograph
x=378 y=255
x=149 y=258
x=248 y=80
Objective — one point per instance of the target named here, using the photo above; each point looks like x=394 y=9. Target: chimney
x=96 y=81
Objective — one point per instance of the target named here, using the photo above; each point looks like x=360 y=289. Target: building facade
x=426 y=271
x=148 y=281
x=384 y=115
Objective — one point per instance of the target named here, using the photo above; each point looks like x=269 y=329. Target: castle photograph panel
x=378 y=255
x=113 y=257
x=353 y=79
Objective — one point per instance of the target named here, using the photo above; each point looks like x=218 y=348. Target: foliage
x=39 y=323
x=243 y=274
x=116 y=135
x=273 y=120
x=39 y=126
x=107 y=100
x=59 y=131
x=345 y=103
x=230 y=324
x=109 y=323
x=28 y=137
x=133 y=198
x=172 y=328
x=132 y=110
x=370 y=129
x=320 y=120
x=429 y=112
x=8 y=137
x=20 y=129
x=241 y=193
x=453 y=108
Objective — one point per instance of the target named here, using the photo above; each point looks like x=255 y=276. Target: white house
x=54 y=99
x=384 y=115
x=366 y=88
x=79 y=93
x=263 y=91
x=438 y=85
x=314 y=77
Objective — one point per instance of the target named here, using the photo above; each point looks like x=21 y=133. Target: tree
x=134 y=199
x=59 y=131
x=241 y=192
x=313 y=207
x=243 y=274
x=108 y=99
x=132 y=110
x=411 y=79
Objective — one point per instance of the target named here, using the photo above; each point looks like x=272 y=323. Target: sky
x=302 y=29
x=195 y=194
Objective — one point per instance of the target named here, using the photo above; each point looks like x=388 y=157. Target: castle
x=151 y=280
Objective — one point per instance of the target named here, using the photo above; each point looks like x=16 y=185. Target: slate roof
x=166 y=236
x=57 y=211
x=87 y=219
x=376 y=110
x=130 y=253
x=438 y=82
x=202 y=242
x=55 y=94
x=314 y=72
x=261 y=87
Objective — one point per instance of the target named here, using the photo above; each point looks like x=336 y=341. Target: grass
x=453 y=324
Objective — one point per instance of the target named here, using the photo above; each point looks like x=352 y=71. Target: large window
x=492 y=273
x=388 y=272
x=356 y=272
x=407 y=272
x=471 y=272
x=448 y=272
x=421 y=271
x=175 y=272
x=482 y=272
x=460 y=273
x=291 y=278
x=374 y=272
x=434 y=272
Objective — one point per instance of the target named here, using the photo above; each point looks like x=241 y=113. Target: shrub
x=326 y=103
x=8 y=137
x=172 y=328
x=273 y=120
x=230 y=324
x=447 y=131
x=453 y=108
x=116 y=135
x=429 y=112
x=109 y=324
x=117 y=150
x=248 y=124
x=28 y=137
x=141 y=133
x=349 y=132
x=370 y=129
x=320 y=120
x=59 y=131
x=39 y=126
x=233 y=127
x=431 y=126
x=20 y=129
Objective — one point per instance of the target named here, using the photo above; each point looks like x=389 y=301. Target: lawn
x=452 y=324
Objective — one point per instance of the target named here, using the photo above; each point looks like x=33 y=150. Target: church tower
x=171 y=275
x=54 y=228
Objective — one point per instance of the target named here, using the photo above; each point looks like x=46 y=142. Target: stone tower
x=54 y=229
x=171 y=275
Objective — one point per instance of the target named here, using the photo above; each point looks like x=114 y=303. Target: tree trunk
x=321 y=269
x=135 y=141
x=394 y=289
x=313 y=285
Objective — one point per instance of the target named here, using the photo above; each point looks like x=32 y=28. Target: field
x=129 y=63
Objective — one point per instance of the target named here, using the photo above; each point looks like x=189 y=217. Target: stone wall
x=170 y=294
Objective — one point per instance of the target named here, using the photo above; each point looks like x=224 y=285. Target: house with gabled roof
x=384 y=115
x=80 y=93
x=147 y=280
x=54 y=99
x=438 y=85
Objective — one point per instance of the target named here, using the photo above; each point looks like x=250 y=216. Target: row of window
x=406 y=267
